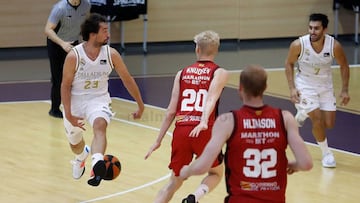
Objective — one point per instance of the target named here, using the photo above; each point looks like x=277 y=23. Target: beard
x=315 y=38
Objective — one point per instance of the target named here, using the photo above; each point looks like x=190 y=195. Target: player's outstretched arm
x=128 y=81
x=217 y=85
x=303 y=159
x=169 y=115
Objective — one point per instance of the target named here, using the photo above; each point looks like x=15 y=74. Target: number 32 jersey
x=195 y=81
x=255 y=156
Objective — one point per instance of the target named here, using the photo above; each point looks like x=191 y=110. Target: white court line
x=283 y=68
x=129 y=190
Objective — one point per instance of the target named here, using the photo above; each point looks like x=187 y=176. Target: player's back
x=255 y=156
x=195 y=81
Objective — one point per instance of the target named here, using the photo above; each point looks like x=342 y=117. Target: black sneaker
x=56 y=113
x=189 y=199
x=98 y=172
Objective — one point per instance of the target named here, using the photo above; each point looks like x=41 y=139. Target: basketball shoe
x=189 y=199
x=79 y=165
x=328 y=160
x=98 y=173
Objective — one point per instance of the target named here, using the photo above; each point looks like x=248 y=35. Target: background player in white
x=312 y=89
x=84 y=93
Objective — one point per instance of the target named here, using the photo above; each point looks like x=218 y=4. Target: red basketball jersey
x=255 y=156
x=194 y=85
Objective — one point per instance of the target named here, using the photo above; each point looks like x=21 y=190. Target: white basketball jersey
x=316 y=65
x=91 y=77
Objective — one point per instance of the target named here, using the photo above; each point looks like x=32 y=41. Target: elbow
x=170 y=114
x=306 y=165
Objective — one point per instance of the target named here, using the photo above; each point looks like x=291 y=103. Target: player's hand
x=200 y=127
x=291 y=168
x=137 y=114
x=76 y=121
x=154 y=147
x=294 y=95
x=345 y=98
x=67 y=46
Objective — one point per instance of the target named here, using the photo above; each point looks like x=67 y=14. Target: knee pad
x=74 y=134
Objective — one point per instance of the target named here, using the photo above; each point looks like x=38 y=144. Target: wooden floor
x=35 y=158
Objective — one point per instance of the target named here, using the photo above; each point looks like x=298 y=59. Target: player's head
x=207 y=42
x=321 y=18
x=253 y=81
x=95 y=25
x=318 y=23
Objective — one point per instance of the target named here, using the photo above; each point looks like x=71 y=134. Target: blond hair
x=208 y=41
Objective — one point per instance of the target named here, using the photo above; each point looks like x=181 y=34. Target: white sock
x=324 y=147
x=82 y=156
x=95 y=158
x=201 y=191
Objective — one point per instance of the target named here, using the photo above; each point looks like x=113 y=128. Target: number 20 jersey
x=255 y=156
x=194 y=85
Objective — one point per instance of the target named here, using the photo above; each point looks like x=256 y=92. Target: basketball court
x=36 y=156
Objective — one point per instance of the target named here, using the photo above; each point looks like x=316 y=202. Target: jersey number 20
x=193 y=100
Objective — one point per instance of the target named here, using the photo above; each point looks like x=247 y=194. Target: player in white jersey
x=85 y=96
x=311 y=89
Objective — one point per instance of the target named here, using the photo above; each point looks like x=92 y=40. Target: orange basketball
x=113 y=167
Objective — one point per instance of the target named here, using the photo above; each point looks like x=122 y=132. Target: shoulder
x=337 y=44
x=72 y=55
x=295 y=47
x=113 y=52
x=226 y=117
x=296 y=43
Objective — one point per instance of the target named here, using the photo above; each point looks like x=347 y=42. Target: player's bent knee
x=75 y=135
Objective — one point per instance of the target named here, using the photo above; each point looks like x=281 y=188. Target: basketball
x=113 y=167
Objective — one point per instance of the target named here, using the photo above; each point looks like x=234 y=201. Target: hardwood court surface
x=35 y=161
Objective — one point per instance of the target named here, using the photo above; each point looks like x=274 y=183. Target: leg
x=321 y=121
x=57 y=57
x=329 y=117
x=78 y=147
x=98 y=148
x=99 y=141
x=209 y=182
x=167 y=192
x=318 y=125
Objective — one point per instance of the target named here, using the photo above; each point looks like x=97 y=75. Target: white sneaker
x=79 y=165
x=300 y=118
x=328 y=161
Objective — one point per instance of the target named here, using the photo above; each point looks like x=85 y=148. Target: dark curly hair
x=320 y=17
x=91 y=25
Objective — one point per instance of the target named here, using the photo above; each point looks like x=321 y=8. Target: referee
x=62 y=30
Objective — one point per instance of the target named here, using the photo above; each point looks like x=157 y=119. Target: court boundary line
x=129 y=190
x=152 y=128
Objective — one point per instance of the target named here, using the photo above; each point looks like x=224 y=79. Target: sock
x=95 y=158
x=201 y=191
x=82 y=156
x=324 y=147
